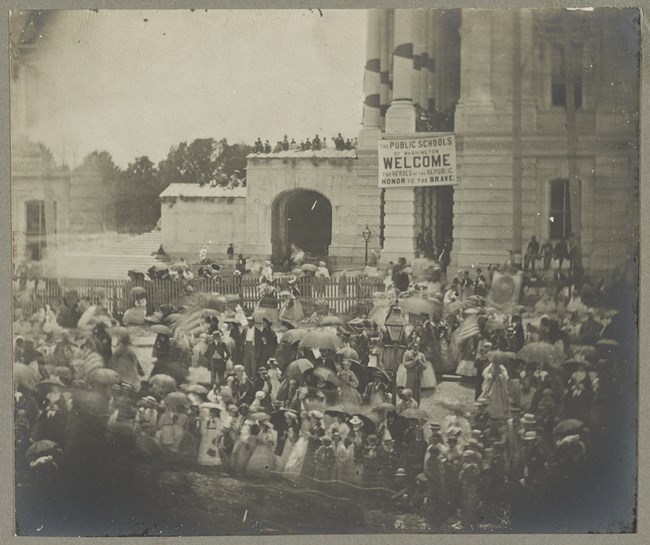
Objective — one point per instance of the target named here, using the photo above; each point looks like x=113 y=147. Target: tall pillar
x=400 y=118
x=371 y=130
x=476 y=59
x=400 y=213
x=424 y=58
x=417 y=56
x=384 y=64
x=391 y=46
x=432 y=24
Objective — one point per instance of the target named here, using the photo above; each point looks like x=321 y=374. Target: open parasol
x=161 y=329
x=196 y=389
x=337 y=411
x=453 y=308
x=180 y=267
x=568 y=427
x=322 y=340
x=103 y=377
x=384 y=408
x=330 y=321
x=502 y=358
x=296 y=369
x=543 y=353
x=348 y=353
x=294 y=336
x=417 y=305
x=415 y=414
x=369 y=424
x=163 y=383
x=41 y=447
x=24 y=375
x=326 y=375
x=377 y=372
x=137 y=291
x=309 y=267
x=176 y=399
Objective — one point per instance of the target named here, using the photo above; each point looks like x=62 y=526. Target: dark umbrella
x=337 y=411
x=325 y=375
x=103 y=377
x=568 y=427
x=377 y=372
x=41 y=447
x=296 y=369
x=368 y=423
x=541 y=352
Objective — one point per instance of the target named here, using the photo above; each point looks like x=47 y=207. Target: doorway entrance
x=304 y=218
x=36 y=229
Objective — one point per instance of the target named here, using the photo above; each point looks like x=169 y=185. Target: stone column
x=384 y=64
x=400 y=118
x=371 y=131
x=400 y=217
x=424 y=58
x=432 y=24
x=476 y=59
x=417 y=55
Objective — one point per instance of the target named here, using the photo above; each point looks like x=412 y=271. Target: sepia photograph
x=282 y=272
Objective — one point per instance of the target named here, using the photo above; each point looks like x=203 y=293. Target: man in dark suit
x=217 y=355
x=269 y=343
x=252 y=338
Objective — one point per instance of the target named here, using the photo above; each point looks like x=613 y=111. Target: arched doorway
x=304 y=218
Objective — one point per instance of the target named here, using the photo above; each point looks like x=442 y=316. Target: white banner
x=420 y=161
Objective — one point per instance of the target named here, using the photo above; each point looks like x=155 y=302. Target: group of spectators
x=234 y=398
x=316 y=143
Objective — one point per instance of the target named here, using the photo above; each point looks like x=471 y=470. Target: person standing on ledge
x=230 y=252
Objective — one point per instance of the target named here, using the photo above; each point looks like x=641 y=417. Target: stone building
x=51 y=204
x=543 y=105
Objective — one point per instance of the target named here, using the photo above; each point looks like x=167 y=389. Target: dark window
x=558 y=75
x=560 y=210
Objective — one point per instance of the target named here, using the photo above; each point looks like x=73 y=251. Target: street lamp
x=393 y=351
x=395 y=325
x=366 y=233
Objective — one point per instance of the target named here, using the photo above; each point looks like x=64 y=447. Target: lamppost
x=366 y=233
x=393 y=350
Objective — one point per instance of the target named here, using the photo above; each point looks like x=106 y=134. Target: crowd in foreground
x=241 y=401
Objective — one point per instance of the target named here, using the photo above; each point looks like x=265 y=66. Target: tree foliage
x=137 y=202
x=204 y=161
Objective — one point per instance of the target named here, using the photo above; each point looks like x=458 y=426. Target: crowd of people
x=241 y=399
x=316 y=143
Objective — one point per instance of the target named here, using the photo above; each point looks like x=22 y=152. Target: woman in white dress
x=296 y=459
x=211 y=430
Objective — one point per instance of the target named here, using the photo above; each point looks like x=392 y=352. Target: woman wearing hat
x=211 y=431
x=50 y=424
x=348 y=394
x=495 y=390
x=125 y=362
x=262 y=460
x=468 y=480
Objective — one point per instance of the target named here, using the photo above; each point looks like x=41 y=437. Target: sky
x=138 y=82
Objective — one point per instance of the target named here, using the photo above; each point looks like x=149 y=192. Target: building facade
x=51 y=204
x=543 y=104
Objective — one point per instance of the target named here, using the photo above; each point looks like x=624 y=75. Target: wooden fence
x=345 y=295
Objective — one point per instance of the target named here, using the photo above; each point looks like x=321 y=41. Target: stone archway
x=302 y=217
